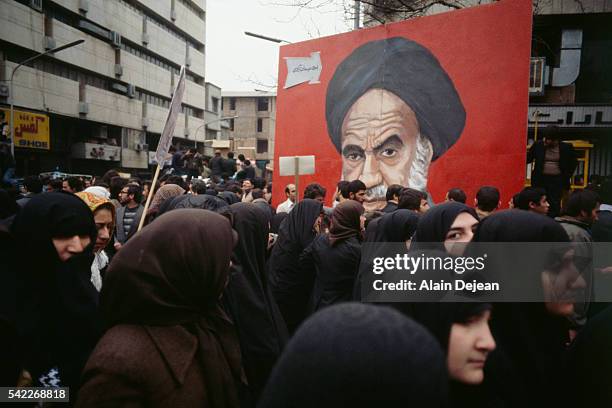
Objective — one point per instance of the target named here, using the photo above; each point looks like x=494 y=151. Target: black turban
x=409 y=71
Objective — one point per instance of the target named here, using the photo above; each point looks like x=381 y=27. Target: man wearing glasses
x=128 y=216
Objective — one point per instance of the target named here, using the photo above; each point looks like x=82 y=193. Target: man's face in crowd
x=145 y=191
x=246 y=185
x=320 y=198
x=66 y=187
x=292 y=192
x=541 y=207
x=359 y=196
x=124 y=196
x=379 y=135
x=424 y=206
x=550 y=142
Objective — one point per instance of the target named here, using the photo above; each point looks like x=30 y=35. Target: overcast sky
x=236 y=62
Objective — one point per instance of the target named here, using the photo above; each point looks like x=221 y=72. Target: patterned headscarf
x=165 y=192
x=95 y=202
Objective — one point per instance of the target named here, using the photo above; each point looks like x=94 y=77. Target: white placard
x=286 y=165
x=303 y=69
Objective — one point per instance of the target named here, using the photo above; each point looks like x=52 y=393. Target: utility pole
x=357 y=13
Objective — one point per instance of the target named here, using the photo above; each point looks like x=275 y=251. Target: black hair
x=394 y=190
x=136 y=191
x=488 y=198
x=108 y=176
x=55 y=184
x=234 y=188
x=198 y=186
x=75 y=183
x=241 y=157
x=247 y=163
x=515 y=199
x=551 y=132
x=314 y=190
x=355 y=186
x=529 y=195
x=230 y=155
x=606 y=191
x=581 y=200
x=458 y=195
x=410 y=199
x=257 y=193
x=259 y=182
x=343 y=188
x=33 y=184
x=116 y=184
x=178 y=180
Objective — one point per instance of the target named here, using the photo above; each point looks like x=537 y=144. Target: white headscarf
x=99 y=191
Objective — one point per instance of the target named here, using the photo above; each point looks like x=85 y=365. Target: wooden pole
x=296 y=173
x=149 y=197
x=536 y=115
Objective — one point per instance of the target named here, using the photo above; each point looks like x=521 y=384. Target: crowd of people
x=222 y=300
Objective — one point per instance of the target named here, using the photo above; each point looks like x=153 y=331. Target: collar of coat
x=177 y=346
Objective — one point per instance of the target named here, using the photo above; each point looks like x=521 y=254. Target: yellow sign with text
x=31 y=130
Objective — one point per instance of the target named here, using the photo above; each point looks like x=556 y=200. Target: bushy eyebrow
x=390 y=139
x=352 y=148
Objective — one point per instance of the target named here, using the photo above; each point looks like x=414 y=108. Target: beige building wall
x=127 y=85
x=254 y=129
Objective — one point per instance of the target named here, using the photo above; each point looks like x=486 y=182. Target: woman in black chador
x=291 y=284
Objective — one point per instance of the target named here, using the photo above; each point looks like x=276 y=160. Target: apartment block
x=105 y=101
x=252 y=125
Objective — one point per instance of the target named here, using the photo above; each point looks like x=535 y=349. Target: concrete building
x=105 y=101
x=570 y=83
x=252 y=129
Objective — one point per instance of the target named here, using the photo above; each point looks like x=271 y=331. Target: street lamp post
x=265 y=37
x=195 y=135
x=51 y=51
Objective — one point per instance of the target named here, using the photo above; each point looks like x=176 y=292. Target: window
x=262 y=146
x=259 y=124
x=232 y=103
x=262 y=104
x=231 y=124
x=215 y=104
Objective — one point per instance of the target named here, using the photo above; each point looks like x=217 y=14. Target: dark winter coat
x=567 y=162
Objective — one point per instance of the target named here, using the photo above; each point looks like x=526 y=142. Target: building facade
x=251 y=129
x=104 y=101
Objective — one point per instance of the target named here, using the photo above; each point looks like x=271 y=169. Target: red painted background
x=485 y=50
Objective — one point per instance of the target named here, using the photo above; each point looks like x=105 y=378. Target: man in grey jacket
x=128 y=216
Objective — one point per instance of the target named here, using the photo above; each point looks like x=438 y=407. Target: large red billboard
x=432 y=103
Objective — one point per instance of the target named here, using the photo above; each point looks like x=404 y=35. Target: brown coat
x=137 y=366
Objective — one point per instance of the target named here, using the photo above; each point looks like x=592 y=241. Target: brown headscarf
x=345 y=221
x=164 y=193
x=173 y=273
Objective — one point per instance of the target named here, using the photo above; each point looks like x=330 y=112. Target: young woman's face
x=468 y=347
x=104 y=224
x=461 y=231
x=68 y=247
